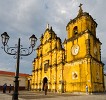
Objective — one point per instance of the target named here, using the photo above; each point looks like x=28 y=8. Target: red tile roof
x=13 y=73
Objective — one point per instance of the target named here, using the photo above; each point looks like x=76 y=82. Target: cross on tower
x=80 y=5
x=80 y=10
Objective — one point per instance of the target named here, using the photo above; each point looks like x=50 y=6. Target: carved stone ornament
x=74 y=75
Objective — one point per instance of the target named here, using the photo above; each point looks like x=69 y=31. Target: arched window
x=46 y=65
x=75 y=30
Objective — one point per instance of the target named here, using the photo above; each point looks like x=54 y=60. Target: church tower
x=83 y=65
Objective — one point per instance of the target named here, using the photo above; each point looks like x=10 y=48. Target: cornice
x=97 y=60
x=86 y=57
x=83 y=14
x=80 y=34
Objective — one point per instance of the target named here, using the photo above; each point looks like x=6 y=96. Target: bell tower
x=83 y=62
x=82 y=22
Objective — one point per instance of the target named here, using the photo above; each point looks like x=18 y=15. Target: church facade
x=73 y=64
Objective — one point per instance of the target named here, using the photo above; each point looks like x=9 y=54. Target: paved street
x=31 y=95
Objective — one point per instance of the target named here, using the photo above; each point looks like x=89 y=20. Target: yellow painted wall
x=71 y=68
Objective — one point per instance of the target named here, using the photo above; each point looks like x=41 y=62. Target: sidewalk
x=4 y=96
x=7 y=96
x=32 y=95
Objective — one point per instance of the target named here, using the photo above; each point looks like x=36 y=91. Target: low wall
x=20 y=88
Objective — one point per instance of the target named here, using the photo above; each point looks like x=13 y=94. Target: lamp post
x=18 y=51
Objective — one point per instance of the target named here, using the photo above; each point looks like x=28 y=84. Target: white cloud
x=5 y=69
x=63 y=11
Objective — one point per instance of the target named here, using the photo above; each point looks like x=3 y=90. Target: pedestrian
x=45 y=88
x=10 y=88
x=86 y=89
x=4 y=88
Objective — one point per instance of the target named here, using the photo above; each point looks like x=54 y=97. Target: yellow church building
x=73 y=64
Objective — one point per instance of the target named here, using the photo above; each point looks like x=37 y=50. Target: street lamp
x=18 y=51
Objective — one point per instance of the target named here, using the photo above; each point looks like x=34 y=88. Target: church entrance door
x=44 y=81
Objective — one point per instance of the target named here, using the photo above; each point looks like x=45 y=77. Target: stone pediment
x=48 y=34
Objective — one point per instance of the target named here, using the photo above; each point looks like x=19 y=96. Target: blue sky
x=22 y=18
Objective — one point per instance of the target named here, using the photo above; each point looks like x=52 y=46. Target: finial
x=80 y=5
x=47 y=26
x=51 y=28
x=80 y=10
x=42 y=36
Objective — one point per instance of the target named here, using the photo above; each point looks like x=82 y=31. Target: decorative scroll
x=13 y=50
x=74 y=75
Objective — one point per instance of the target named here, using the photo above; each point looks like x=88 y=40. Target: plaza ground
x=32 y=95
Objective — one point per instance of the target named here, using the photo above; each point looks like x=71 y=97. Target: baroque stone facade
x=73 y=64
